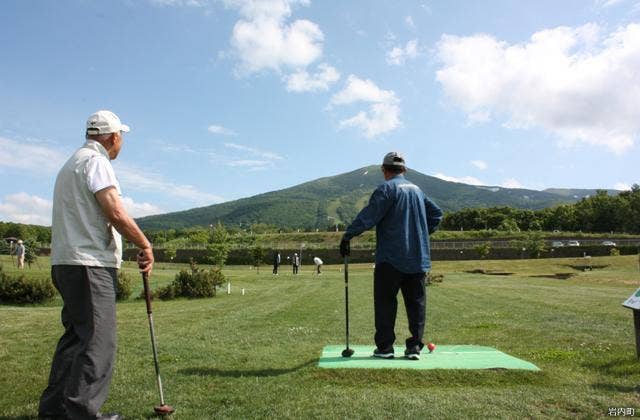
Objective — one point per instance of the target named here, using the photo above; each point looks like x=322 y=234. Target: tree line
x=599 y=213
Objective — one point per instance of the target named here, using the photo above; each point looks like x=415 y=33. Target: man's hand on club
x=145 y=260
x=345 y=248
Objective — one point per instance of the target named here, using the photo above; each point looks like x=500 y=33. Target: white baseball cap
x=105 y=122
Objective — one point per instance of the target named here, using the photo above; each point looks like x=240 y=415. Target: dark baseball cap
x=393 y=159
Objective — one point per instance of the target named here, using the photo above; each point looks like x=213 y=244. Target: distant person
x=295 y=262
x=404 y=218
x=318 y=262
x=86 y=253
x=276 y=262
x=20 y=252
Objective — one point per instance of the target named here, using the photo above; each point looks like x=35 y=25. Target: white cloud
x=379 y=119
x=462 y=180
x=621 y=186
x=575 y=83
x=410 y=23
x=302 y=81
x=264 y=39
x=136 y=179
x=30 y=157
x=480 y=164
x=359 y=90
x=362 y=90
x=249 y=163
x=609 y=3
x=140 y=209
x=25 y=208
x=383 y=115
x=218 y=129
x=399 y=55
x=31 y=209
x=271 y=156
x=511 y=183
x=180 y=3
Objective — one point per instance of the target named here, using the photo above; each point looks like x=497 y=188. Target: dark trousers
x=295 y=269
x=275 y=268
x=387 y=281
x=83 y=362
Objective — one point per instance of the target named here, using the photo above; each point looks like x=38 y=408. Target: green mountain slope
x=576 y=193
x=319 y=203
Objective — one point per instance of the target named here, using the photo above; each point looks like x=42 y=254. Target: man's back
x=81 y=234
x=404 y=217
x=403 y=234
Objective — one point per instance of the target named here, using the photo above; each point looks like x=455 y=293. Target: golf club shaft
x=346 y=296
x=147 y=297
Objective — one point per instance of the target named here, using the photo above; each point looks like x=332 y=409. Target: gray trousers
x=83 y=362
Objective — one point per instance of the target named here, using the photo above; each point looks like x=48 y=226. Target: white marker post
x=228 y=287
x=633 y=303
x=243 y=292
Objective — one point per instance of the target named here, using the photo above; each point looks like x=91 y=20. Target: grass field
x=255 y=356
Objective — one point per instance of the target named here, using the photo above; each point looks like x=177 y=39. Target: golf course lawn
x=256 y=356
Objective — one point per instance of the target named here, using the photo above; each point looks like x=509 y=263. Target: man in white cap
x=318 y=262
x=404 y=218
x=20 y=251
x=86 y=253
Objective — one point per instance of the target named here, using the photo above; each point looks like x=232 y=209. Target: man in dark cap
x=404 y=218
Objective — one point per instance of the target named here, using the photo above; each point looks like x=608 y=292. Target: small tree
x=258 y=254
x=123 y=286
x=218 y=247
x=535 y=244
x=30 y=255
x=170 y=253
x=483 y=250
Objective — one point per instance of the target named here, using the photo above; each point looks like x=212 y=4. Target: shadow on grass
x=239 y=373
x=620 y=366
x=437 y=378
x=627 y=389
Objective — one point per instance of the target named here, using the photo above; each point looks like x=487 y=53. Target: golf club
x=346 y=352
x=162 y=409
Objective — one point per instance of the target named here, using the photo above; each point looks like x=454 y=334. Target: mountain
x=325 y=201
x=577 y=194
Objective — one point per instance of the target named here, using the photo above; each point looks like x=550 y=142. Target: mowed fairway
x=255 y=356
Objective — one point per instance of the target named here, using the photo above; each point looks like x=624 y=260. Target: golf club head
x=164 y=410
x=347 y=352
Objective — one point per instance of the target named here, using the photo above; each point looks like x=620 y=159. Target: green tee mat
x=443 y=357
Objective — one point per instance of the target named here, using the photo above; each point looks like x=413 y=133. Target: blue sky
x=231 y=98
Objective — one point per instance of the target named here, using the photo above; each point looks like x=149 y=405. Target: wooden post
x=636 y=323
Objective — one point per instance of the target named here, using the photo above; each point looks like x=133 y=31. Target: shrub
x=30 y=256
x=123 y=286
x=483 y=250
x=195 y=284
x=20 y=289
x=614 y=252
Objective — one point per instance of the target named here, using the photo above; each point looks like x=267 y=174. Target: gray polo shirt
x=80 y=232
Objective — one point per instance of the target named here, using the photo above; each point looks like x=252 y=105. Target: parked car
x=557 y=244
x=608 y=243
x=573 y=243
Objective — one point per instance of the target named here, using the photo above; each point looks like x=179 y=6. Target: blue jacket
x=404 y=217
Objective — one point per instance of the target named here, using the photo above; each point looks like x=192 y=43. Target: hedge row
x=332 y=256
